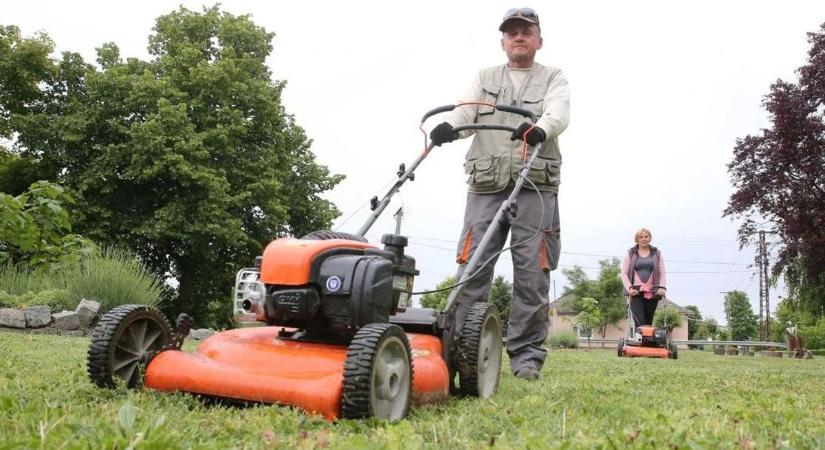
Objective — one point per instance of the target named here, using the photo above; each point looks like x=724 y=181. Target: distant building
x=563 y=318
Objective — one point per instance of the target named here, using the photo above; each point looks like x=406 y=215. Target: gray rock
x=66 y=320
x=201 y=334
x=87 y=311
x=38 y=316
x=12 y=318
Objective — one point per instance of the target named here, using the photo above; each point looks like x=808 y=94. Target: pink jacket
x=659 y=277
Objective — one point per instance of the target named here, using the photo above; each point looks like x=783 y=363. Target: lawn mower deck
x=238 y=364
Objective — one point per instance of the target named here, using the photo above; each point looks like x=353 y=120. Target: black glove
x=443 y=133
x=535 y=137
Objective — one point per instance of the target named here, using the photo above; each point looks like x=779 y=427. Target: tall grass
x=113 y=277
x=18 y=280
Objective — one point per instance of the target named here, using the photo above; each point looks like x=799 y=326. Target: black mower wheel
x=674 y=351
x=122 y=343
x=323 y=235
x=479 y=355
x=378 y=374
x=621 y=347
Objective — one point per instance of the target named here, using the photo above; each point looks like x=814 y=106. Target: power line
x=589 y=254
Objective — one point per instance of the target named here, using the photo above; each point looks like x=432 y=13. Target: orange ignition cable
x=524 y=143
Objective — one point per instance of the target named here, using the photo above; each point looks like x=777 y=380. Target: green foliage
x=743 y=325
x=668 y=317
x=563 y=339
x=438 y=300
x=57 y=299
x=17 y=279
x=695 y=320
x=607 y=290
x=590 y=316
x=35 y=228
x=501 y=295
x=814 y=335
x=188 y=158
x=24 y=64
x=113 y=278
x=583 y=400
x=7 y=300
x=17 y=172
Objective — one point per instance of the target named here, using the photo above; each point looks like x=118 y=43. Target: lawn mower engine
x=327 y=289
x=650 y=336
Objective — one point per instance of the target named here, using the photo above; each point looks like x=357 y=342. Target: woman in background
x=643 y=270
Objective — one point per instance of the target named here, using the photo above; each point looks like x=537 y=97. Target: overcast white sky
x=660 y=92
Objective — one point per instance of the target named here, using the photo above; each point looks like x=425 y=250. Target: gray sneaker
x=528 y=373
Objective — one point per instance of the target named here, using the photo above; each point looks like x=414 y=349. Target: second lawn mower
x=646 y=340
x=344 y=339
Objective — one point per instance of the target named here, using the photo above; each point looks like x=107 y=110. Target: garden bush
x=814 y=335
x=57 y=299
x=113 y=278
x=17 y=279
x=563 y=339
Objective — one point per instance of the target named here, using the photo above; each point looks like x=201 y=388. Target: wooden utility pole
x=764 y=289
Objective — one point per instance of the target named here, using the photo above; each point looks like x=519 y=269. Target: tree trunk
x=183 y=304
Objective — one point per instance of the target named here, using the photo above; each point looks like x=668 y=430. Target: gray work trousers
x=532 y=262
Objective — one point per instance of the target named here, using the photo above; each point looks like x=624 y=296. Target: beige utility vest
x=493 y=160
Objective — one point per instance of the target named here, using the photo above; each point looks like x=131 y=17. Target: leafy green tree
x=590 y=316
x=742 y=319
x=438 y=300
x=188 y=158
x=35 y=230
x=694 y=320
x=24 y=64
x=789 y=312
x=501 y=295
x=606 y=289
x=667 y=317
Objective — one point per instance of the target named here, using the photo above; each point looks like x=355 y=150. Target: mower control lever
x=502 y=108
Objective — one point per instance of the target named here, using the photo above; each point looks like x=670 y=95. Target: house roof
x=564 y=305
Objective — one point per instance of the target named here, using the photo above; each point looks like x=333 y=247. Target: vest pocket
x=489 y=95
x=481 y=172
x=533 y=100
x=544 y=172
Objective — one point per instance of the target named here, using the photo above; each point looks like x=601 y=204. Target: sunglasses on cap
x=526 y=13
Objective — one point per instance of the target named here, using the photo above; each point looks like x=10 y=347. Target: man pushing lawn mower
x=344 y=340
x=492 y=166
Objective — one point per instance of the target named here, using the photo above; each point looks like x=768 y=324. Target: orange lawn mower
x=646 y=340
x=343 y=339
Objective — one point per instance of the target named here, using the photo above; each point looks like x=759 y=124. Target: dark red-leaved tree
x=779 y=177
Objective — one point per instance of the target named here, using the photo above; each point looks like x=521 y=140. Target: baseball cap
x=525 y=14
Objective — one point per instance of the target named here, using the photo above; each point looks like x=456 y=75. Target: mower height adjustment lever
x=402 y=169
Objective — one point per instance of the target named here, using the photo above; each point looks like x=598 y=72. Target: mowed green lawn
x=585 y=399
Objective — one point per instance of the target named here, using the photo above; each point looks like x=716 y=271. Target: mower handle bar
x=502 y=108
x=408 y=174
